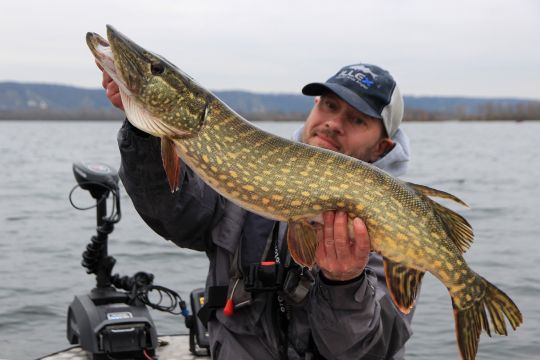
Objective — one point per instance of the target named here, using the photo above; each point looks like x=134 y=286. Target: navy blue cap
x=367 y=88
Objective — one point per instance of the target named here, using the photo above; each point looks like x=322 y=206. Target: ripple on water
x=17 y=218
x=26 y=316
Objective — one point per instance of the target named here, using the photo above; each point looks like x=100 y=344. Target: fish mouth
x=119 y=57
x=102 y=51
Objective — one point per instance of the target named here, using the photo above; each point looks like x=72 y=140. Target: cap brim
x=350 y=97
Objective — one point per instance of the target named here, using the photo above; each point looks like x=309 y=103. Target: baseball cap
x=367 y=88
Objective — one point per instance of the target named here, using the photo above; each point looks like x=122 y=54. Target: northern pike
x=294 y=182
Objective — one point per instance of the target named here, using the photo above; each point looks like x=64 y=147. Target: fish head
x=158 y=98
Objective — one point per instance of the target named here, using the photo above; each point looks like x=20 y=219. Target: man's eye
x=358 y=121
x=330 y=104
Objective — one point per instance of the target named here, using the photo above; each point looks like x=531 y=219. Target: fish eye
x=157 y=68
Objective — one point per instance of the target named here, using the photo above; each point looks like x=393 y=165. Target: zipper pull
x=228 y=310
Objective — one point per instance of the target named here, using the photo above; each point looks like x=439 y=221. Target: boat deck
x=170 y=347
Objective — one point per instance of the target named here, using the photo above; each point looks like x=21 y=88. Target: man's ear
x=385 y=145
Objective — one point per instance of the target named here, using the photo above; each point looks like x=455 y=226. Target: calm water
x=494 y=167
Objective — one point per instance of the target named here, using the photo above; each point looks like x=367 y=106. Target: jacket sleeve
x=353 y=321
x=183 y=217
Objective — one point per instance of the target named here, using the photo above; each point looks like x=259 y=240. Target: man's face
x=335 y=125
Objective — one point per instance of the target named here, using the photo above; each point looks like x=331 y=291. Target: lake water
x=495 y=167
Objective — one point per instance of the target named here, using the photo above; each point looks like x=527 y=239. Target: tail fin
x=470 y=322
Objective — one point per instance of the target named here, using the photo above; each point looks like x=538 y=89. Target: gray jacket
x=355 y=320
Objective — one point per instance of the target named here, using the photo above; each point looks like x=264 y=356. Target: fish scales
x=293 y=182
x=304 y=189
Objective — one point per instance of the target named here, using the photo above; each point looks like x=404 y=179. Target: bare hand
x=111 y=89
x=339 y=257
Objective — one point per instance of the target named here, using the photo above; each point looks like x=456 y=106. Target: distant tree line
x=523 y=111
x=488 y=111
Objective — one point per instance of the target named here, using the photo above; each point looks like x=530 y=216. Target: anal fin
x=302 y=241
x=171 y=163
x=403 y=284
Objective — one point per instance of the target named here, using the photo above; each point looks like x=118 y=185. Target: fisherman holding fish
x=339 y=310
x=288 y=225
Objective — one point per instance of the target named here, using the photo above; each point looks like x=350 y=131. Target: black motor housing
x=104 y=323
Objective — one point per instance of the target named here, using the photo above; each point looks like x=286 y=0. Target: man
x=261 y=305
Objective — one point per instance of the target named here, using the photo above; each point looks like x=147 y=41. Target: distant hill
x=248 y=102
x=27 y=96
x=28 y=100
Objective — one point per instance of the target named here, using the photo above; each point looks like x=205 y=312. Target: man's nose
x=335 y=123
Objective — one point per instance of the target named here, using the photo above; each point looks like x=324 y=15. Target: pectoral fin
x=403 y=284
x=302 y=241
x=171 y=163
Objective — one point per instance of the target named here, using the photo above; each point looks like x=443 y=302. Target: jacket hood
x=394 y=162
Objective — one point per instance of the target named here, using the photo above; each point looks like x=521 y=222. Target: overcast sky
x=432 y=47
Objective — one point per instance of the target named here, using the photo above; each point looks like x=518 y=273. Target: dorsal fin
x=426 y=190
x=458 y=229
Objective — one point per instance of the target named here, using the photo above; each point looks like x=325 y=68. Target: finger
x=113 y=94
x=108 y=77
x=341 y=235
x=112 y=88
x=328 y=233
x=116 y=100
x=320 y=253
x=107 y=80
x=362 y=243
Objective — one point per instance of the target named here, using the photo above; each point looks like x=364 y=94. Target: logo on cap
x=358 y=74
x=364 y=69
x=367 y=82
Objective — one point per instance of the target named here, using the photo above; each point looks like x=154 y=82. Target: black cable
x=115 y=212
x=174 y=300
x=142 y=288
x=91 y=206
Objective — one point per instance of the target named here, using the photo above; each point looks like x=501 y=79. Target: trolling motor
x=107 y=322
x=110 y=323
